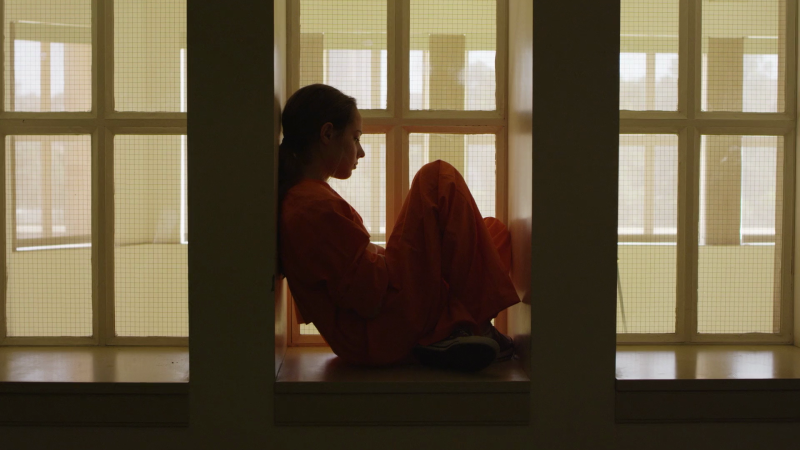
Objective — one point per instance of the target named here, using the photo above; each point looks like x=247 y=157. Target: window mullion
x=397 y=103
x=790 y=174
x=402 y=26
x=393 y=57
x=787 y=285
x=3 y=218
x=394 y=176
x=688 y=170
x=293 y=46
x=787 y=69
x=689 y=206
x=394 y=61
x=683 y=256
x=2 y=85
x=105 y=36
x=501 y=103
x=501 y=64
x=102 y=328
x=501 y=182
x=691 y=47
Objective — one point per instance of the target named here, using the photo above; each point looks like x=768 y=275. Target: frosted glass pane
x=632 y=181
x=48 y=55
x=150 y=258
x=740 y=234
x=452 y=55
x=473 y=155
x=48 y=235
x=647 y=233
x=343 y=44
x=308 y=329
x=649 y=55
x=744 y=55
x=150 y=55
x=365 y=190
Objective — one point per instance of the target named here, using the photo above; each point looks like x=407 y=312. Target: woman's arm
x=329 y=247
x=357 y=275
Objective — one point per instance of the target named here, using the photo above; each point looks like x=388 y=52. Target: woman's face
x=345 y=150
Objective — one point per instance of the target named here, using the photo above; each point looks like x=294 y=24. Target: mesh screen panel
x=743 y=55
x=472 y=154
x=150 y=262
x=308 y=329
x=48 y=235
x=48 y=55
x=343 y=44
x=740 y=234
x=648 y=56
x=453 y=44
x=365 y=190
x=150 y=55
x=647 y=233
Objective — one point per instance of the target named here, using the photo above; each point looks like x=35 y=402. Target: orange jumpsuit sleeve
x=356 y=278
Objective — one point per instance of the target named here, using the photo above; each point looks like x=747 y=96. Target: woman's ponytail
x=290 y=169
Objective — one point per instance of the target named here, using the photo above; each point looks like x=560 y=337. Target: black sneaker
x=460 y=351
x=505 y=343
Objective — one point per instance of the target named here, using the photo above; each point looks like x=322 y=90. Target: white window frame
x=102 y=123
x=397 y=121
x=689 y=123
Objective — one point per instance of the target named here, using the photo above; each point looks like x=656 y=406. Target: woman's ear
x=326 y=133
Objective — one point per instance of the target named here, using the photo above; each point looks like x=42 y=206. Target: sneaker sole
x=505 y=355
x=465 y=355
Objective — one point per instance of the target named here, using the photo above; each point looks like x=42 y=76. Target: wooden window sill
x=707 y=383
x=129 y=386
x=314 y=387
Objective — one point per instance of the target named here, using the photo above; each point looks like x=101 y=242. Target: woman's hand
x=377 y=249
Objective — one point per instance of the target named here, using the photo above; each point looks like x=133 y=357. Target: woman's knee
x=434 y=169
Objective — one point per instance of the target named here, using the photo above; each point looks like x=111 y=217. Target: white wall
x=520 y=154
x=279 y=64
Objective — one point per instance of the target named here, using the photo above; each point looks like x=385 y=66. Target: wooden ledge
x=707 y=383
x=116 y=386
x=314 y=387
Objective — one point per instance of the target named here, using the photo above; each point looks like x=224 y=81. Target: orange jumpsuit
x=441 y=268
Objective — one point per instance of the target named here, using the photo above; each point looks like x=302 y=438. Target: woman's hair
x=305 y=113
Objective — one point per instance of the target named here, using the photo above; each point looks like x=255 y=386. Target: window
x=93 y=136
x=428 y=78
x=704 y=180
x=50 y=191
x=50 y=66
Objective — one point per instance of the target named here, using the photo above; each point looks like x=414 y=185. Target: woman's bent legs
x=445 y=270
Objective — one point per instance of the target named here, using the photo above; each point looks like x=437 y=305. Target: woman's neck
x=315 y=171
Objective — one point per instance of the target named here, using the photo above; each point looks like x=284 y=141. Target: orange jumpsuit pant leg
x=445 y=269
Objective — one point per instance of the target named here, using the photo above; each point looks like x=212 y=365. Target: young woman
x=431 y=292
